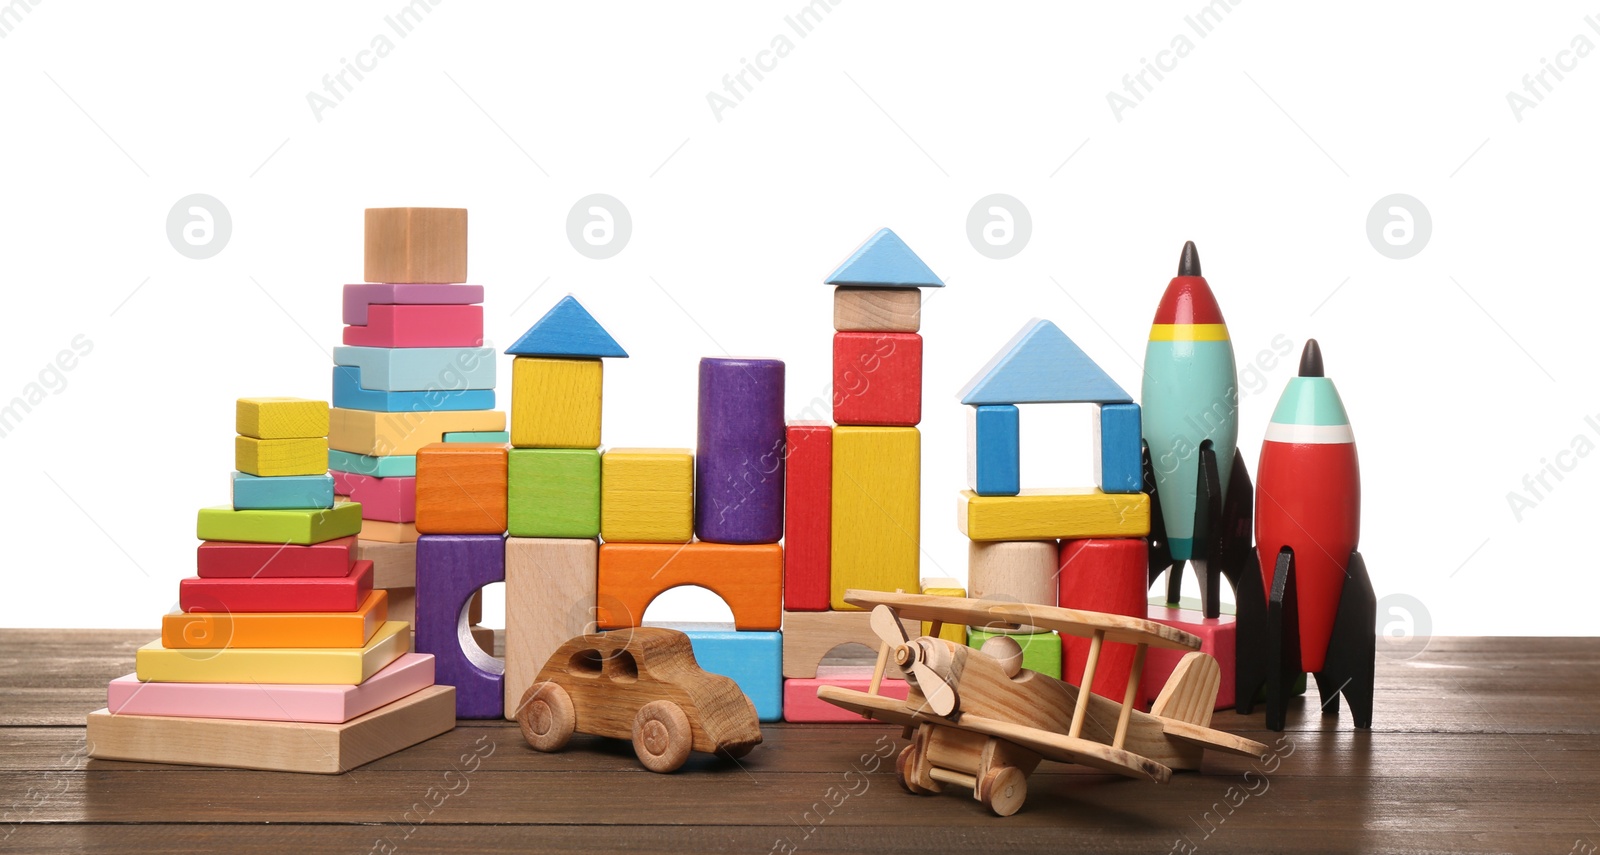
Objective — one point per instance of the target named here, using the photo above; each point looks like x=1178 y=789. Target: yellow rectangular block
x=382 y=531
x=647 y=495
x=877 y=510
x=1042 y=514
x=214 y=630
x=945 y=588
x=387 y=434
x=336 y=666
x=555 y=403
x=281 y=418
x=271 y=457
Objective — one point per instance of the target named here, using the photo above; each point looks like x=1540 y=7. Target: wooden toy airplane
x=977 y=719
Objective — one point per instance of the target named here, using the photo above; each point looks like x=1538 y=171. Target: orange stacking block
x=461 y=488
x=211 y=630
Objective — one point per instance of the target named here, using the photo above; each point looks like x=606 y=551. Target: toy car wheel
x=546 y=717
x=1003 y=789
x=905 y=771
x=661 y=736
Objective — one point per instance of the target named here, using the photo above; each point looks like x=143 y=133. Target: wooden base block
x=403 y=604
x=801 y=705
x=808 y=515
x=385 y=499
x=282 y=594
x=316 y=665
x=555 y=403
x=383 y=531
x=392 y=466
x=418 y=326
x=281 y=418
x=279 y=746
x=1218 y=637
x=303 y=527
x=877 y=310
x=394 y=565
x=252 y=493
x=373 y=434
x=553 y=492
x=410 y=673
x=877 y=379
x=810 y=636
x=647 y=495
x=1109 y=576
x=461 y=488
x=351 y=393
x=748 y=577
x=450 y=570
x=876 y=539
x=358 y=297
x=1037 y=514
x=550 y=597
x=279 y=457
x=1041 y=651
x=952 y=632
x=420 y=369
x=416 y=245
x=753 y=660
x=276 y=629
x=227 y=560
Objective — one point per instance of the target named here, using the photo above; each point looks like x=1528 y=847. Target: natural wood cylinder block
x=877 y=309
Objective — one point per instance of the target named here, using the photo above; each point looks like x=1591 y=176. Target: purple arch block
x=450 y=569
x=739 y=462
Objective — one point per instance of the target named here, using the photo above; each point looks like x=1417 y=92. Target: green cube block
x=298 y=526
x=554 y=492
x=1041 y=651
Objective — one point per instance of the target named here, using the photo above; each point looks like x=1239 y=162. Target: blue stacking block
x=252 y=493
x=1117 y=460
x=478 y=436
x=994 y=457
x=420 y=369
x=753 y=659
x=399 y=465
x=349 y=394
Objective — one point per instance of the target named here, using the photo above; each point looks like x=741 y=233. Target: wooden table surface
x=1478 y=745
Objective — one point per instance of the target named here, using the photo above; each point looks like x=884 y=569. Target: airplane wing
x=1215 y=740
x=877 y=707
x=1129 y=630
x=952 y=610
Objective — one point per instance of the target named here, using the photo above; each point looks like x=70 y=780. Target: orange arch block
x=749 y=578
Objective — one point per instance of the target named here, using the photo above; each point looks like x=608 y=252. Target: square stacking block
x=1118 y=466
x=252 y=493
x=358 y=297
x=281 y=594
x=876 y=537
x=416 y=245
x=418 y=326
x=647 y=495
x=274 y=457
x=754 y=660
x=341 y=666
x=1218 y=637
x=375 y=434
x=1043 y=514
x=555 y=403
x=301 y=526
x=994 y=458
x=420 y=369
x=281 y=418
x=410 y=673
x=350 y=393
x=386 y=499
x=220 y=559
x=391 y=466
x=213 y=630
x=1041 y=651
x=461 y=488
x=877 y=378
x=554 y=492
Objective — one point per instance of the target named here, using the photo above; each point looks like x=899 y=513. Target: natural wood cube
x=416 y=245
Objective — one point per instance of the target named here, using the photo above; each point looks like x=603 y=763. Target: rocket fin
x=1352 y=648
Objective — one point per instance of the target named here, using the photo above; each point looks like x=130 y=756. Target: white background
x=1463 y=368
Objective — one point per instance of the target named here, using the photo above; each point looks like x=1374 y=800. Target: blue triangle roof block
x=1040 y=365
x=567 y=330
x=885 y=261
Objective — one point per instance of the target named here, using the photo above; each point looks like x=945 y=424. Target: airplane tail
x=1190 y=694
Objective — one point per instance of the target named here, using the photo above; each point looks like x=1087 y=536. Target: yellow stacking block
x=877 y=508
x=270 y=457
x=1053 y=513
x=647 y=495
x=945 y=588
x=338 y=666
x=386 y=434
x=555 y=403
x=281 y=418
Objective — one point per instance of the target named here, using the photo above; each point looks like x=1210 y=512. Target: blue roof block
x=1040 y=365
x=885 y=261
x=567 y=330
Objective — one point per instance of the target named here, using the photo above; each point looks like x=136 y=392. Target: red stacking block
x=808 y=516
x=418 y=326
x=320 y=594
x=877 y=379
x=221 y=559
x=392 y=499
x=1102 y=575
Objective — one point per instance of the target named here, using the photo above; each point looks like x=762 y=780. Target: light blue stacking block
x=1118 y=466
x=399 y=465
x=752 y=659
x=283 y=492
x=350 y=394
x=478 y=436
x=994 y=457
x=420 y=369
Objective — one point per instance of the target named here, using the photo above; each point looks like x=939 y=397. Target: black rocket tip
x=1311 y=359
x=1189 y=262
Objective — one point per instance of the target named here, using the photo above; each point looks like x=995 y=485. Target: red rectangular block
x=419 y=325
x=808 y=515
x=221 y=559
x=1103 y=575
x=877 y=379
x=1218 y=637
x=392 y=499
x=277 y=594
x=800 y=702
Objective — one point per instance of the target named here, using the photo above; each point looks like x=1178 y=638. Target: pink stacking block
x=358 y=297
x=272 y=702
x=422 y=325
x=387 y=499
x=800 y=703
x=1216 y=638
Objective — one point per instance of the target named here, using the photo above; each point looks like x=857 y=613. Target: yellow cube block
x=647 y=495
x=877 y=510
x=555 y=403
x=270 y=457
x=281 y=418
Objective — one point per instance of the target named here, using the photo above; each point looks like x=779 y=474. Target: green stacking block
x=553 y=492
x=1041 y=651
x=300 y=526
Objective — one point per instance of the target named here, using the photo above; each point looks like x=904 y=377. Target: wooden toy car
x=641 y=684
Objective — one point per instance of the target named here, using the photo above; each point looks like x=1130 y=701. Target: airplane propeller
x=914 y=657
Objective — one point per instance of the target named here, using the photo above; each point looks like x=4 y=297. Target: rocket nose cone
x=1311 y=359
x=1189 y=261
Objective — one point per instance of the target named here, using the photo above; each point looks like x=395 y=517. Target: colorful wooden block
x=416 y=245
x=753 y=660
x=1021 y=571
x=1036 y=514
x=390 y=499
x=391 y=466
x=281 y=594
x=647 y=495
x=801 y=705
x=1218 y=637
x=748 y=577
x=1040 y=365
x=808 y=637
x=253 y=493
x=419 y=326
x=553 y=492
x=555 y=403
x=877 y=310
x=739 y=464
x=877 y=503
x=994 y=450
x=345 y=666
x=1118 y=466
x=493 y=436
x=567 y=330
x=229 y=560
x=877 y=379
x=450 y=569
x=461 y=488
x=375 y=434
x=281 y=418
x=884 y=261
x=1041 y=651
x=208 y=630
x=281 y=746
x=269 y=458
x=808 y=515
x=351 y=395
x=550 y=597
x=389 y=532
x=302 y=526
x=410 y=673
x=420 y=369
x=357 y=297
x=1110 y=576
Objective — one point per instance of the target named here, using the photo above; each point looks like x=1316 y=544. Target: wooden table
x=1478 y=745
